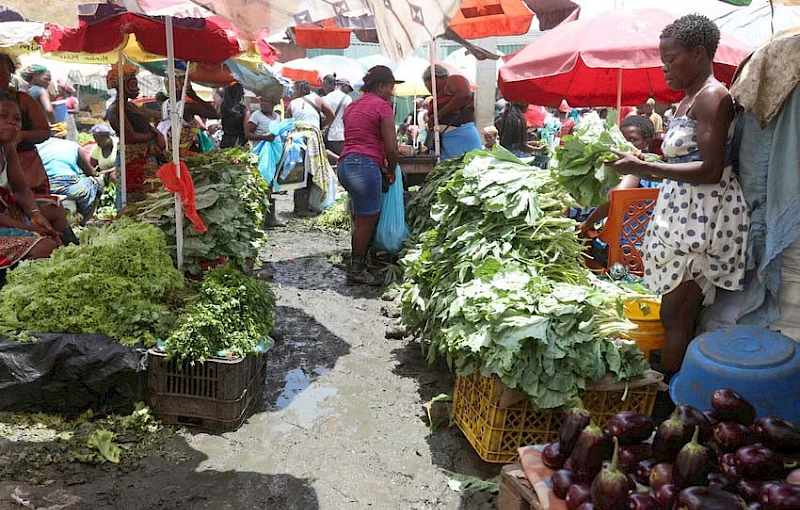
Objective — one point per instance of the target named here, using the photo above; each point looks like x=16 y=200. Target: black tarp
x=68 y=374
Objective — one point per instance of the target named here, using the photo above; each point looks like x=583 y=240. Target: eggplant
x=755 y=505
x=586 y=506
x=577 y=494
x=779 y=496
x=642 y=472
x=568 y=464
x=730 y=436
x=669 y=439
x=707 y=498
x=643 y=502
x=710 y=416
x=666 y=495
x=631 y=455
x=794 y=477
x=720 y=481
x=749 y=489
x=661 y=474
x=692 y=464
x=630 y=427
x=611 y=486
x=574 y=423
x=587 y=457
x=730 y=406
x=562 y=480
x=691 y=418
x=730 y=468
x=780 y=434
x=758 y=462
x=553 y=457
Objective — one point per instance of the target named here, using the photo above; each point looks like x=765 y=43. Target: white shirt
x=334 y=100
x=302 y=111
x=262 y=121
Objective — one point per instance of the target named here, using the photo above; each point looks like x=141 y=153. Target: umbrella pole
x=121 y=145
x=175 y=129
x=437 y=143
x=619 y=97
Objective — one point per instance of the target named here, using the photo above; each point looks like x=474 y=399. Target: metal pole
x=121 y=146
x=436 y=136
x=175 y=129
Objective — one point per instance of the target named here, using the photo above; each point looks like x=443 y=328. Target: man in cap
x=337 y=100
x=456 y=111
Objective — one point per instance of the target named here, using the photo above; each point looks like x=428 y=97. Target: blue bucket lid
x=747 y=347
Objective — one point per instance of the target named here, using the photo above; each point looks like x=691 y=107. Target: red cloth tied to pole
x=185 y=186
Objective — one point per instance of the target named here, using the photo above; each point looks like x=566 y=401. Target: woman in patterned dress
x=696 y=238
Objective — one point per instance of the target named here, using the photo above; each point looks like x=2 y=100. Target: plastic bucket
x=60 y=111
x=649 y=332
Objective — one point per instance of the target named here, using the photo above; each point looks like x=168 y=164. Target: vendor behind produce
x=71 y=175
x=103 y=157
x=696 y=238
x=456 y=110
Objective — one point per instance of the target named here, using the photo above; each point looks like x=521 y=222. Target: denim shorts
x=361 y=177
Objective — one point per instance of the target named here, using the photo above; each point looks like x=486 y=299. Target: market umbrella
x=476 y=19
x=304 y=69
x=410 y=71
x=371 y=61
x=343 y=67
x=608 y=60
x=467 y=64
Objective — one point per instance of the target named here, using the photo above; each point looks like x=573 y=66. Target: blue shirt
x=59 y=157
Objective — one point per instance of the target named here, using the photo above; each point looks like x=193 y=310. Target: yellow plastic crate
x=496 y=432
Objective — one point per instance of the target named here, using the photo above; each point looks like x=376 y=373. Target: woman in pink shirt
x=368 y=159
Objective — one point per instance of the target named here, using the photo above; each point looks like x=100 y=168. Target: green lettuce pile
x=232 y=314
x=579 y=163
x=496 y=284
x=119 y=282
x=231 y=201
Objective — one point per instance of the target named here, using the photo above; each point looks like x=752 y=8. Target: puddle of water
x=296 y=381
x=305 y=409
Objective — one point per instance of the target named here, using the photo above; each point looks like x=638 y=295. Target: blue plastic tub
x=60 y=111
x=761 y=365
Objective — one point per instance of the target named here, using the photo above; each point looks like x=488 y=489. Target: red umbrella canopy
x=208 y=40
x=475 y=19
x=582 y=61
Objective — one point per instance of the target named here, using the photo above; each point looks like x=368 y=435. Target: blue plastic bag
x=392 y=229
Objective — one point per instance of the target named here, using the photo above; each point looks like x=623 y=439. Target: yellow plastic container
x=649 y=332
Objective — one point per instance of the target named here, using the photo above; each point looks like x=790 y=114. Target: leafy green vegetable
x=580 y=163
x=118 y=282
x=335 y=217
x=103 y=441
x=496 y=284
x=232 y=312
x=231 y=201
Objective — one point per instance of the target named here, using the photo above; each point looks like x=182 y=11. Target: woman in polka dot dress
x=696 y=239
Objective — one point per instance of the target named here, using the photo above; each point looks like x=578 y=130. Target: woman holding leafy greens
x=695 y=240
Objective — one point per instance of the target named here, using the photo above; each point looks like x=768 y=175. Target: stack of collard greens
x=231 y=201
x=496 y=284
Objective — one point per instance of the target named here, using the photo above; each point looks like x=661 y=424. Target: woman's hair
x=232 y=99
x=6 y=58
x=694 y=30
x=302 y=87
x=513 y=129
x=641 y=124
x=32 y=71
x=438 y=71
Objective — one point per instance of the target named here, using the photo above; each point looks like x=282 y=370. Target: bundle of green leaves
x=498 y=285
x=580 y=163
x=231 y=201
x=118 y=282
x=232 y=312
x=335 y=217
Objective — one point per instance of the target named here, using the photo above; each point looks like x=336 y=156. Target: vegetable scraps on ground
x=496 y=284
x=580 y=162
x=231 y=201
x=231 y=312
x=119 y=282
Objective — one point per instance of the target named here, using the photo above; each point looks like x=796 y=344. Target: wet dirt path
x=338 y=424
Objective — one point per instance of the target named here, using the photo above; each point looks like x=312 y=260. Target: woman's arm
x=326 y=111
x=198 y=107
x=47 y=106
x=131 y=135
x=713 y=110
x=40 y=127
x=601 y=212
x=24 y=197
x=389 y=136
x=250 y=133
x=84 y=163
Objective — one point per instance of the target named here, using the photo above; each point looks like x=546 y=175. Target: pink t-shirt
x=362 y=127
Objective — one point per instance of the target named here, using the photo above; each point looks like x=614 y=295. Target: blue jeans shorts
x=361 y=177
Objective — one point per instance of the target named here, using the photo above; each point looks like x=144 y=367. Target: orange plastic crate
x=496 y=433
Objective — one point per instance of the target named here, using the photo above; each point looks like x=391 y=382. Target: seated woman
x=24 y=232
x=144 y=145
x=103 y=157
x=71 y=175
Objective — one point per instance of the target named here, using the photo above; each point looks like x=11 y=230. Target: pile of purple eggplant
x=721 y=459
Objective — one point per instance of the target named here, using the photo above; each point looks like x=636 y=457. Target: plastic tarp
x=63 y=373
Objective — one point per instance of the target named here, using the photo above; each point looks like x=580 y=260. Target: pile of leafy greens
x=335 y=217
x=118 y=282
x=579 y=163
x=231 y=201
x=497 y=285
x=231 y=313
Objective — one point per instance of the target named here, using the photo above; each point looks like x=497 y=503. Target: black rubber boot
x=301 y=202
x=271 y=221
x=68 y=237
x=358 y=274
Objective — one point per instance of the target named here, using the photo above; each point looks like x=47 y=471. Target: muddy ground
x=338 y=425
